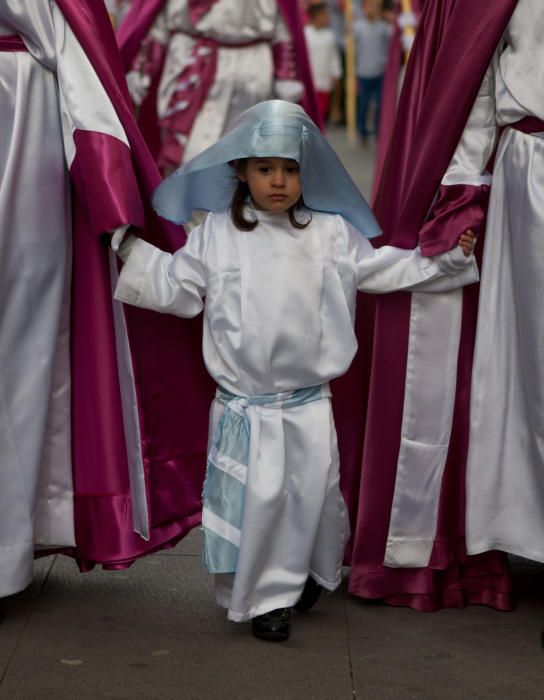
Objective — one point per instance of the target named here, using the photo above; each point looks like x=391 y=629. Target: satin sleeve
x=475 y=148
x=390 y=269
x=172 y=284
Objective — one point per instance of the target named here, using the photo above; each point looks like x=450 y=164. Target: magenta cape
x=111 y=186
x=453 y=48
x=142 y=14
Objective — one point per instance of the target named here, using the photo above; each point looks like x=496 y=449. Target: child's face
x=274 y=183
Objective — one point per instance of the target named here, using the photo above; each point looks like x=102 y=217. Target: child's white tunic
x=278 y=316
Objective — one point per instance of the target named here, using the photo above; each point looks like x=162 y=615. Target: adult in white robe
x=505 y=479
x=73 y=165
x=505 y=471
x=200 y=65
x=278 y=315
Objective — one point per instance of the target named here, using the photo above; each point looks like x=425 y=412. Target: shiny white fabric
x=505 y=482
x=505 y=477
x=245 y=75
x=44 y=96
x=278 y=316
x=435 y=328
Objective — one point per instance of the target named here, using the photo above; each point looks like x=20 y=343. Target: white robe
x=245 y=74
x=44 y=96
x=505 y=471
x=278 y=316
x=505 y=467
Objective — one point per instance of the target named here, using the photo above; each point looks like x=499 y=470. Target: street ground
x=153 y=632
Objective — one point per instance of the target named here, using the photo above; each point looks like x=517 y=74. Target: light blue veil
x=269 y=129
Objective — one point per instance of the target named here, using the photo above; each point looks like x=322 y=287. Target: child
x=324 y=55
x=372 y=35
x=279 y=261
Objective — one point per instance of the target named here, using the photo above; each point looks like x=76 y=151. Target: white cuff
x=454 y=260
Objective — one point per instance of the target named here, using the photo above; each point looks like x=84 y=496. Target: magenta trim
x=135 y=27
x=457 y=209
x=102 y=172
x=199 y=8
x=193 y=87
x=12 y=43
x=529 y=125
x=285 y=67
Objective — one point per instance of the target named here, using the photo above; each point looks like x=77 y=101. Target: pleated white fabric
x=505 y=479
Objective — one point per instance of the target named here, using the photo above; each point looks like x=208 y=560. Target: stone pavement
x=153 y=632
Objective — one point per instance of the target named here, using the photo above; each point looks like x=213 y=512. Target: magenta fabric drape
x=292 y=13
x=390 y=94
x=12 y=43
x=457 y=209
x=112 y=185
x=454 y=45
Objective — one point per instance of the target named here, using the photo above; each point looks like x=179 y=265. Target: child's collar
x=251 y=213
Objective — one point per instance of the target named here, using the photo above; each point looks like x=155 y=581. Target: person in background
x=372 y=35
x=194 y=65
x=324 y=55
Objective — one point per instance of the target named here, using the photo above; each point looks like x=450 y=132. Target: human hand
x=467 y=242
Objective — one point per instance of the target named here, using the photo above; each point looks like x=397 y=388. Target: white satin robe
x=505 y=468
x=44 y=96
x=505 y=472
x=278 y=316
x=245 y=75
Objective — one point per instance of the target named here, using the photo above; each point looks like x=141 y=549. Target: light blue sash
x=227 y=469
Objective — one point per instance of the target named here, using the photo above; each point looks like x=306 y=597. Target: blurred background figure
x=372 y=33
x=324 y=55
x=194 y=65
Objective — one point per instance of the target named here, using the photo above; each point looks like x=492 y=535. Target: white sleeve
x=469 y=162
x=172 y=284
x=390 y=269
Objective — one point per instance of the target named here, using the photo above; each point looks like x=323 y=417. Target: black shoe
x=310 y=595
x=272 y=626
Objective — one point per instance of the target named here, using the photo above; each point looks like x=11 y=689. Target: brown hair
x=240 y=197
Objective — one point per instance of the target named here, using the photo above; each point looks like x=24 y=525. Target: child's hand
x=467 y=242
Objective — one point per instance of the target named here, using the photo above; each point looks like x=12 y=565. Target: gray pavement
x=154 y=632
